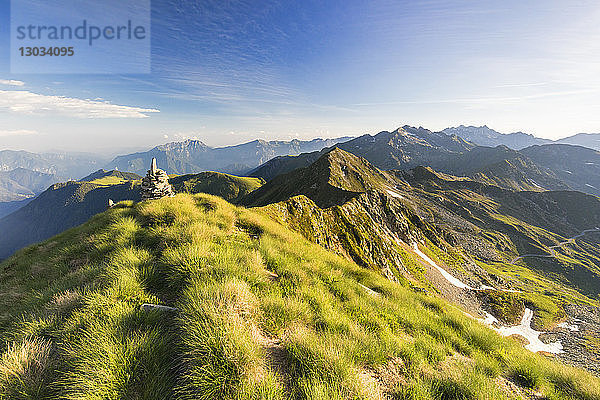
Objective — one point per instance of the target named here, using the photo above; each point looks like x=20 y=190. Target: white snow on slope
x=532 y=336
x=456 y=282
x=488 y=320
x=524 y=329
x=572 y=328
x=394 y=194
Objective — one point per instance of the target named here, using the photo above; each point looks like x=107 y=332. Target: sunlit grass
x=261 y=313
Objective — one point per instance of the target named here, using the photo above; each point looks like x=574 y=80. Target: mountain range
x=193 y=156
x=484 y=136
x=539 y=167
x=536 y=168
x=193 y=297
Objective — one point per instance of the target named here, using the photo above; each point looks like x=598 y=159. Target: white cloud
x=25 y=102
x=17 y=132
x=11 y=82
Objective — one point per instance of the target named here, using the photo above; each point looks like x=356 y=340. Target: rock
x=111 y=203
x=155 y=184
x=156 y=307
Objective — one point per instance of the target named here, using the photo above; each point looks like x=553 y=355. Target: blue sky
x=226 y=72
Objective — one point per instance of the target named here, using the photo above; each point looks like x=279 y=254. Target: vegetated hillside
x=61 y=207
x=577 y=166
x=8 y=207
x=66 y=205
x=284 y=164
x=192 y=156
x=475 y=231
x=20 y=183
x=503 y=167
x=516 y=223
x=484 y=136
x=229 y=187
x=117 y=175
x=333 y=179
x=490 y=223
x=261 y=313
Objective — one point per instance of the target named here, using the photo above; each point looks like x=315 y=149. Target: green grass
x=262 y=314
x=230 y=187
x=109 y=180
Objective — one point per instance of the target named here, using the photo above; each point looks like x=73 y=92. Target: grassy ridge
x=262 y=314
x=231 y=188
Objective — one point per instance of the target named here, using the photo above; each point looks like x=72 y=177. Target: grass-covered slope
x=108 y=176
x=335 y=178
x=62 y=206
x=230 y=187
x=261 y=314
x=69 y=204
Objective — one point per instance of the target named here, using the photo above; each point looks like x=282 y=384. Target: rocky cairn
x=156 y=184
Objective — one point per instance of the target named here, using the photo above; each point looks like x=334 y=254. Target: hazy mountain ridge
x=193 y=156
x=63 y=165
x=20 y=183
x=485 y=136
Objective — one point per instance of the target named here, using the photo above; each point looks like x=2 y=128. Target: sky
x=227 y=72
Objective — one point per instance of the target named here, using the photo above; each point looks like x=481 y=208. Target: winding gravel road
x=552 y=248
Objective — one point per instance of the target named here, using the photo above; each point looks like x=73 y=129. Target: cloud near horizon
x=11 y=82
x=26 y=102
x=17 y=132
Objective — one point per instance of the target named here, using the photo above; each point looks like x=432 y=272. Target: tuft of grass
x=24 y=368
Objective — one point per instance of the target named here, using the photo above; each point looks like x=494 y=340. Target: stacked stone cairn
x=156 y=184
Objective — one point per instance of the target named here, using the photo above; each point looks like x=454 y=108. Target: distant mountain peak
x=486 y=136
x=333 y=179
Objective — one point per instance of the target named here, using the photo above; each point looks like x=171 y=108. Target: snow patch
x=532 y=336
x=369 y=290
x=572 y=328
x=394 y=194
x=450 y=278
x=488 y=320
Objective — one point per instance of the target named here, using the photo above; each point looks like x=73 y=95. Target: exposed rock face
x=155 y=184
